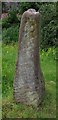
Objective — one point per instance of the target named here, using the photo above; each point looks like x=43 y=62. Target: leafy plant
x=48 y=21
x=10 y=34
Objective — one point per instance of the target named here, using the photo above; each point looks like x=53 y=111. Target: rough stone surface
x=29 y=83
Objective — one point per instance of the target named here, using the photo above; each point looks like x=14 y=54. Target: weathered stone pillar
x=29 y=83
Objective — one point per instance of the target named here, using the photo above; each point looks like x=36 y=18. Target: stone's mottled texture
x=29 y=84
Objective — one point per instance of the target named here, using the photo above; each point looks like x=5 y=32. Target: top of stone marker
x=32 y=11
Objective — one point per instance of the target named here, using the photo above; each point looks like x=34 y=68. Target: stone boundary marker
x=29 y=83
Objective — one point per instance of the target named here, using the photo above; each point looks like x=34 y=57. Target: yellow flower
x=42 y=53
x=47 y=54
x=7 y=51
x=53 y=52
x=49 y=50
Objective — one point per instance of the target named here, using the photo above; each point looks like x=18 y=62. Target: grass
x=12 y=110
